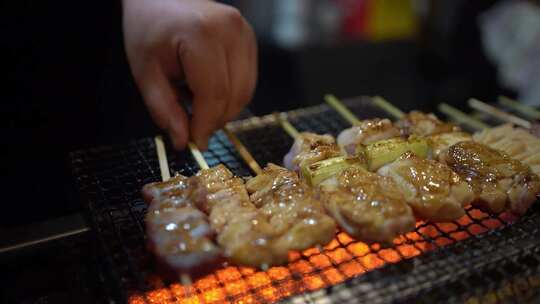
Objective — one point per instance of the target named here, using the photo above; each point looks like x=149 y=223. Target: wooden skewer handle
x=286 y=125
x=387 y=107
x=162 y=158
x=523 y=109
x=337 y=105
x=491 y=110
x=243 y=151
x=199 y=158
x=461 y=118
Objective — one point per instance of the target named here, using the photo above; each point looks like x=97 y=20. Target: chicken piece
x=432 y=189
x=440 y=143
x=367 y=206
x=498 y=181
x=292 y=209
x=219 y=184
x=422 y=124
x=366 y=132
x=309 y=148
x=241 y=229
x=282 y=215
x=179 y=234
x=518 y=143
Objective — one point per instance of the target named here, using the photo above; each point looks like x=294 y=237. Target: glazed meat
x=498 y=181
x=366 y=205
x=309 y=148
x=179 y=234
x=281 y=215
x=518 y=143
x=366 y=132
x=422 y=124
x=295 y=215
x=440 y=143
x=432 y=189
x=187 y=214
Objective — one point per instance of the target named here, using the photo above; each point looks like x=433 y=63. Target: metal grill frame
x=110 y=178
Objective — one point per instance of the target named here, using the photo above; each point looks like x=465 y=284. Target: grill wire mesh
x=481 y=257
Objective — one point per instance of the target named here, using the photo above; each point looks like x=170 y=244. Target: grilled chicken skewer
x=518 y=143
x=296 y=216
x=282 y=214
x=179 y=233
x=368 y=206
x=308 y=148
x=498 y=182
x=432 y=189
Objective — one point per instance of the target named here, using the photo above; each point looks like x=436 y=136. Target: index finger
x=205 y=66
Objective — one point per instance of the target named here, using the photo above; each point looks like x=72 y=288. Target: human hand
x=208 y=45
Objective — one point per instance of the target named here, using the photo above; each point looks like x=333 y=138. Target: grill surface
x=479 y=257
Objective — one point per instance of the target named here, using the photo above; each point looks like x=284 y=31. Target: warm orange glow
x=312 y=269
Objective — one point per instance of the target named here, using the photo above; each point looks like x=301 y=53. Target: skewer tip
x=337 y=105
x=285 y=124
x=386 y=106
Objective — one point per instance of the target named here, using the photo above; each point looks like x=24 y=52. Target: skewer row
x=282 y=120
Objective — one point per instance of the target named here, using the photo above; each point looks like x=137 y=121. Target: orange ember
x=341 y=259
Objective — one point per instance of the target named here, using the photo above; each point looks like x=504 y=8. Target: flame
x=312 y=269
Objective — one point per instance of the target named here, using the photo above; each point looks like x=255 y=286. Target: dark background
x=68 y=86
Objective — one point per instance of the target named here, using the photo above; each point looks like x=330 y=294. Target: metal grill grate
x=471 y=257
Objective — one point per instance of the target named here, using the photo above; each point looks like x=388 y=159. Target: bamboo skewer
x=243 y=151
x=337 y=105
x=523 y=109
x=387 y=107
x=252 y=163
x=185 y=278
x=342 y=109
x=162 y=158
x=461 y=117
x=199 y=158
x=452 y=112
x=286 y=125
x=491 y=110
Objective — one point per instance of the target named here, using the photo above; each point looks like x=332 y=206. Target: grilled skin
x=367 y=206
x=309 y=148
x=498 y=181
x=366 y=132
x=432 y=189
